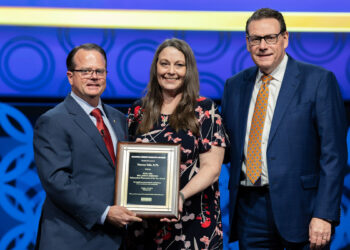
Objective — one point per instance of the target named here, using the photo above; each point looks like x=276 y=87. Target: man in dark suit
x=74 y=149
x=286 y=123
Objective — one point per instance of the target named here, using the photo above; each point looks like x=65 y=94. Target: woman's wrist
x=182 y=196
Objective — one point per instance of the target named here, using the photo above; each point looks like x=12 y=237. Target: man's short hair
x=266 y=13
x=86 y=46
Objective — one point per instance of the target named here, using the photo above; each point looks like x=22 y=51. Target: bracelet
x=182 y=196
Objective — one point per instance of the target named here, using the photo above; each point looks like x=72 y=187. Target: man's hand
x=319 y=233
x=121 y=216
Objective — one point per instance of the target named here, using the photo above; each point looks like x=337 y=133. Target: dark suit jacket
x=306 y=153
x=78 y=176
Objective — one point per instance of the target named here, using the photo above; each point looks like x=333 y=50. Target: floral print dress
x=200 y=224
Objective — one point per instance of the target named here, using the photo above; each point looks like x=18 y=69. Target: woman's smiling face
x=171 y=69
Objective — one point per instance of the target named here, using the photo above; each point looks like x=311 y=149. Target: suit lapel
x=85 y=123
x=289 y=86
x=246 y=93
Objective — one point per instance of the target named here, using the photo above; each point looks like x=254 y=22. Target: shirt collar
x=278 y=72
x=85 y=105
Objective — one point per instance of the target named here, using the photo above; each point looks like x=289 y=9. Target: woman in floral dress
x=173 y=112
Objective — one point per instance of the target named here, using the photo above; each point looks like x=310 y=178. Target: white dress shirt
x=274 y=89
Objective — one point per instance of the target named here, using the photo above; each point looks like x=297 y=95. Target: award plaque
x=147 y=178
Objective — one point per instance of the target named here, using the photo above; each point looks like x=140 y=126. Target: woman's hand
x=181 y=202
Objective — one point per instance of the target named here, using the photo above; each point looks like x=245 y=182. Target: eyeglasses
x=87 y=73
x=269 y=39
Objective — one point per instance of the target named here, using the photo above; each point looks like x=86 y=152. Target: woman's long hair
x=183 y=117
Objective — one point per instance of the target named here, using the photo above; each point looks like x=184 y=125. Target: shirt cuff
x=104 y=215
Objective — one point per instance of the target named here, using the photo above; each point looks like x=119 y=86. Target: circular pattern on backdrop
x=241 y=60
x=214 y=46
x=26 y=63
x=21 y=194
x=317 y=47
x=210 y=85
x=134 y=62
x=68 y=40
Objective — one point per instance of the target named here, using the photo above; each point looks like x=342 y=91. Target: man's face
x=267 y=56
x=88 y=86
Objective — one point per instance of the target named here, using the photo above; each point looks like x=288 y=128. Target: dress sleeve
x=212 y=131
x=134 y=118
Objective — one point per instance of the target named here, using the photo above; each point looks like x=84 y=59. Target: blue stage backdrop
x=32 y=70
x=32 y=59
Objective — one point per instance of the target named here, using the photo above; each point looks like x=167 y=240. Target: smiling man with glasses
x=287 y=127
x=267 y=40
x=87 y=73
x=74 y=149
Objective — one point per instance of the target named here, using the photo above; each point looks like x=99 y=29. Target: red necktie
x=102 y=128
x=256 y=131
